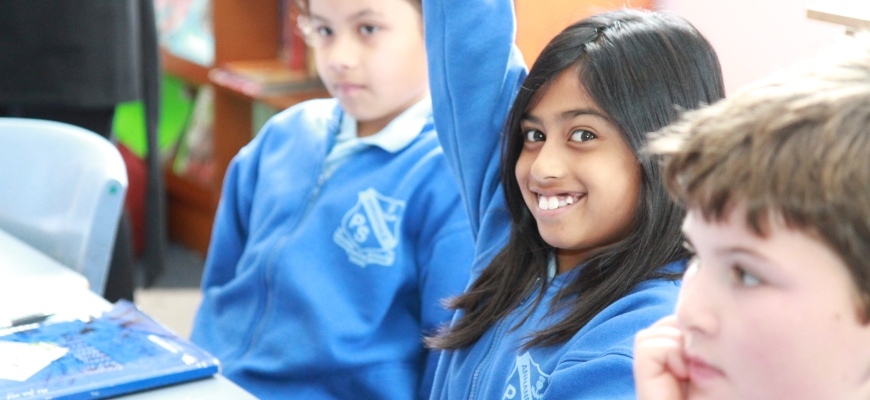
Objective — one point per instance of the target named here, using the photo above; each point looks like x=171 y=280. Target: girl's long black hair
x=641 y=68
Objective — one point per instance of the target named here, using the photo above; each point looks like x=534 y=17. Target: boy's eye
x=688 y=246
x=745 y=278
x=694 y=262
x=367 y=30
x=582 y=135
x=534 y=135
x=323 y=31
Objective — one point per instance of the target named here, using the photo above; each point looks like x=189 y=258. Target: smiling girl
x=577 y=242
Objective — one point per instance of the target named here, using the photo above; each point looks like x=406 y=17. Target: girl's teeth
x=553 y=203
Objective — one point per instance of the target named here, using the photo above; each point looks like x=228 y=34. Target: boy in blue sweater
x=339 y=228
x=776 y=303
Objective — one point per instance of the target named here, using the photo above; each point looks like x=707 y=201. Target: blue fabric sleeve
x=599 y=365
x=603 y=378
x=474 y=72
x=230 y=231
x=445 y=256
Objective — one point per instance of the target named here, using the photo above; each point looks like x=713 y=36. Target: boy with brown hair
x=776 y=303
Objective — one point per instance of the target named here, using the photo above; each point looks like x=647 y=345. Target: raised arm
x=474 y=71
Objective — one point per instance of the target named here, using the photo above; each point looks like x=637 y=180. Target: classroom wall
x=756 y=37
x=752 y=37
x=539 y=20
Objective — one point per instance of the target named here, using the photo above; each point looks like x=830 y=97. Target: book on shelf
x=292 y=49
x=121 y=351
x=184 y=28
x=193 y=156
x=263 y=78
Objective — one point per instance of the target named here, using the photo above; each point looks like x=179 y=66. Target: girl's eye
x=534 y=135
x=581 y=135
x=367 y=30
x=745 y=278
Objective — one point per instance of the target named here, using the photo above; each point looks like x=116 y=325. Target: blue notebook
x=122 y=351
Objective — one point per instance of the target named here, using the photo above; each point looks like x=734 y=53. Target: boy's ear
x=303 y=23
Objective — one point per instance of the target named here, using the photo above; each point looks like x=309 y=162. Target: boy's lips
x=701 y=372
x=346 y=88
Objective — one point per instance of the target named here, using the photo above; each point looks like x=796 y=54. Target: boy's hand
x=660 y=370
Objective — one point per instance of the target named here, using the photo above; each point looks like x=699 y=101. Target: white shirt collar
x=400 y=132
x=551 y=266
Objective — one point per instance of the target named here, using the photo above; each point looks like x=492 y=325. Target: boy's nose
x=344 y=53
x=696 y=304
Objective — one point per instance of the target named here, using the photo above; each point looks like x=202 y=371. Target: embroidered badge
x=369 y=231
x=527 y=380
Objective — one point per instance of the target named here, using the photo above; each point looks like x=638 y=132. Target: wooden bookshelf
x=243 y=30
x=193 y=73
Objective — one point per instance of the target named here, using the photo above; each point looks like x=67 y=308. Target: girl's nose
x=549 y=163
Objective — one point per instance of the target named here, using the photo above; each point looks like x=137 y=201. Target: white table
x=32 y=282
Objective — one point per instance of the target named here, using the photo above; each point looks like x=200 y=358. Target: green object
x=176 y=103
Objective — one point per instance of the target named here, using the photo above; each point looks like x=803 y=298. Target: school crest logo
x=527 y=381
x=369 y=231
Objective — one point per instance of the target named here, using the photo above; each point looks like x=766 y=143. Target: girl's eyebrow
x=566 y=115
x=581 y=111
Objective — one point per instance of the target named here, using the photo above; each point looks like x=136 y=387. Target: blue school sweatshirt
x=475 y=71
x=322 y=286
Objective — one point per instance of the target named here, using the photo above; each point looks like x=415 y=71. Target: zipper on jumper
x=497 y=336
x=279 y=243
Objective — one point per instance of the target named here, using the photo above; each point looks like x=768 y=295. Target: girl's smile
x=578 y=177
x=558 y=201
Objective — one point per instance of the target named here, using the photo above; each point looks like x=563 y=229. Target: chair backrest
x=62 y=191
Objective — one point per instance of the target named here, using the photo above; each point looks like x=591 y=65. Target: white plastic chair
x=62 y=191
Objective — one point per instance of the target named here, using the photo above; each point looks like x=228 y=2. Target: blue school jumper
x=320 y=284
x=475 y=72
